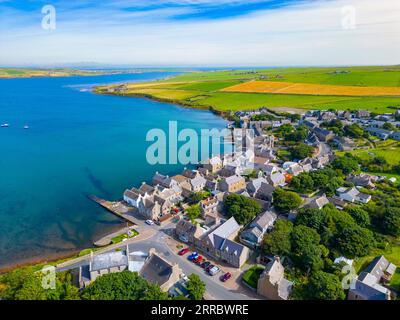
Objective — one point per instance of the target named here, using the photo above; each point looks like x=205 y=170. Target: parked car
x=214 y=271
x=205 y=264
x=193 y=256
x=210 y=266
x=198 y=259
x=183 y=251
x=150 y=222
x=226 y=277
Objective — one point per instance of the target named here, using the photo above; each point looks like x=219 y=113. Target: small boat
x=26 y=127
x=5 y=125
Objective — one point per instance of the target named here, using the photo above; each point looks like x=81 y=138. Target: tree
x=122 y=286
x=286 y=201
x=242 y=208
x=354 y=241
x=391 y=221
x=360 y=216
x=312 y=218
x=196 y=287
x=347 y=164
x=303 y=183
x=325 y=286
x=301 y=151
x=306 y=248
x=278 y=242
x=354 y=131
x=388 y=126
x=193 y=212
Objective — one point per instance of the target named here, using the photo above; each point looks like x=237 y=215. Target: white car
x=214 y=271
x=150 y=222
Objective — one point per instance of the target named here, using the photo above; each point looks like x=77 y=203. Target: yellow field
x=311 y=89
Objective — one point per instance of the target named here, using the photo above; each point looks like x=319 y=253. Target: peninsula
x=375 y=88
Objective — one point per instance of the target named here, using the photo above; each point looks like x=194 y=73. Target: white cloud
x=304 y=34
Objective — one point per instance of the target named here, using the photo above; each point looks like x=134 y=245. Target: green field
x=390 y=150
x=203 y=89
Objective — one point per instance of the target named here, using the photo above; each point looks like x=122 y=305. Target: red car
x=198 y=259
x=226 y=277
x=183 y=252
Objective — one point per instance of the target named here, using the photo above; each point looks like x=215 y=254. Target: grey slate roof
x=109 y=260
x=156 y=270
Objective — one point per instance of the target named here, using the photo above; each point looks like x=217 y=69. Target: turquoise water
x=78 y=143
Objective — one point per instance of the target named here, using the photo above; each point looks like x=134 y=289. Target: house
x=344 y=143
x=380 y=133
x=157 y=270
x=254 y=185
x=272 y=283
x=229 y=170
x=191 y=174
x=265 y=192
x=232 y=184
x=320 y=162
x=276 y=179
x=363 y=114
x=323 y=134
x=396 y=135
x=198 y=183
x=362 y=180
x=270 y=169
x=254 y=233
x=209 y=207
x=317 y=203
x=217 y=243
x=213 y=164
x=367 y=286
x=340 y=260
x=295 y=169
x=353 y=195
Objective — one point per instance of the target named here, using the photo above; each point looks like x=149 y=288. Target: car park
x=183 y=251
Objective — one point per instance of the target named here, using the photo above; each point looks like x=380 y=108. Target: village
x=219 y=214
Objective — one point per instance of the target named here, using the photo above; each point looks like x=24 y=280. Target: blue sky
x=201 y=32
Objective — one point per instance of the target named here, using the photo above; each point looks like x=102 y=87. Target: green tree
x=312 y=218
x=347 y=164
x=306 y=249
x=196 y=287
x=303 y=183
x=325 y=286
x=286 y=201
x=122 y=286
x=301 y=151
x=388 y=126
x=278 y=241
x=354 y=241
x=242 y=208
x=391 y=221
x=360 y=216
x=193 y=212
x=354 y=131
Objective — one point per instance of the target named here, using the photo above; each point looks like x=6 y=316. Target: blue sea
x=78 y=143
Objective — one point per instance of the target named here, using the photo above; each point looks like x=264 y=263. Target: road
x=157 y=239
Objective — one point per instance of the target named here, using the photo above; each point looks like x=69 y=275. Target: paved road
x=157 y=240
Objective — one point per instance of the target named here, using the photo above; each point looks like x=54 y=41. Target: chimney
x=277 y=259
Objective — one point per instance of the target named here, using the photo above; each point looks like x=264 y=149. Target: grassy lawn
x=252 y=275
x=390 y=150
x=124 y=236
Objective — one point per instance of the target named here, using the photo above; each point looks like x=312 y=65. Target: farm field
x=28 y=73
x=310 y=88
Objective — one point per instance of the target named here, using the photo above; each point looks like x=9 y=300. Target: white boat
x=26 y=127
x=5 y=125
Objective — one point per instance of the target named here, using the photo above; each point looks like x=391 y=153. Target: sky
x=199 y=33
